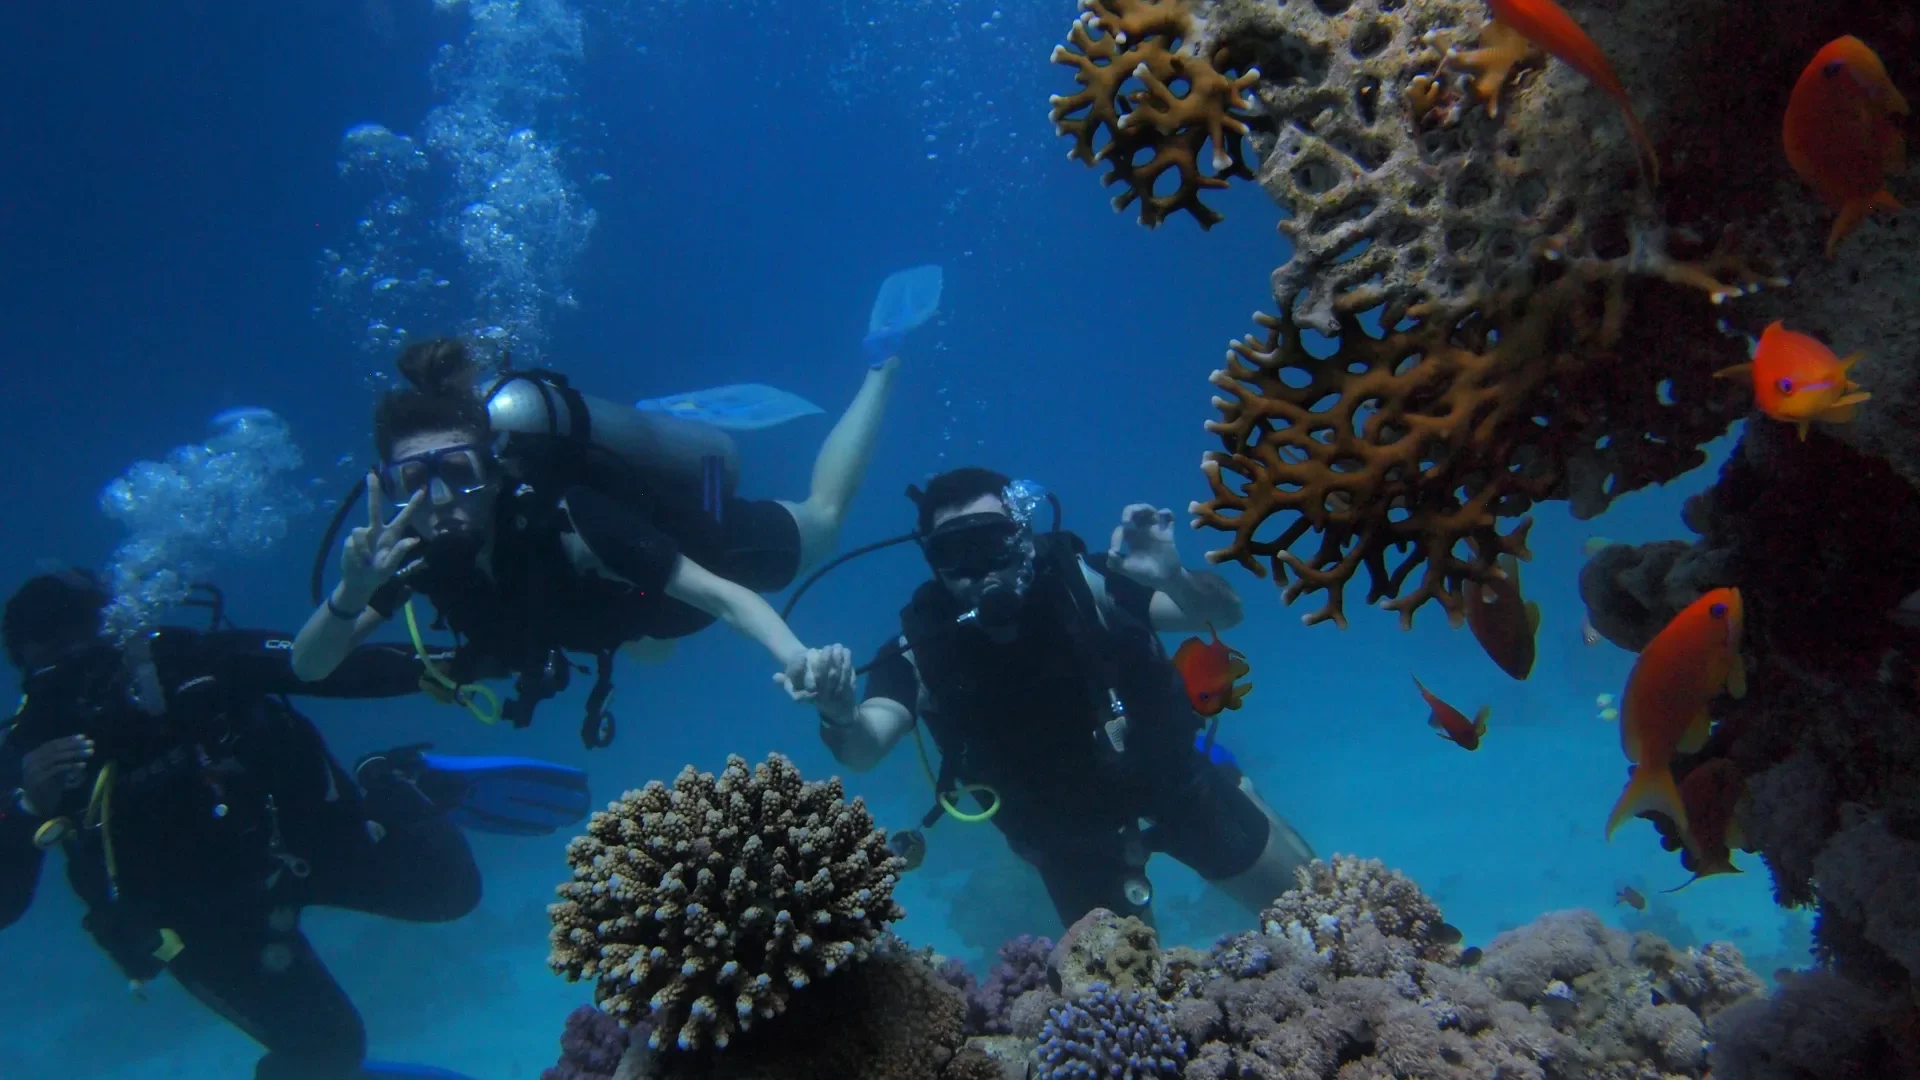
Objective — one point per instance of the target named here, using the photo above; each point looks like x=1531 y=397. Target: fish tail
x=1649 y=159
x=1651 y=788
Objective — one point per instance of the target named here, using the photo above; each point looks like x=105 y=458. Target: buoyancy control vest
x=1070 y=719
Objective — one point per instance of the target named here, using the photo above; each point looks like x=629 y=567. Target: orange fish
x=1209 y=669
x=1681 y=670
x=1796 y=378
x=1503 y=623
x=1841 y=135
x=1714 y=794
x=1546 y=24
x=1452 y=724
x=1631 y=897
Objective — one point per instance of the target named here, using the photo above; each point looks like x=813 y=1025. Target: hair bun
x=443 y=366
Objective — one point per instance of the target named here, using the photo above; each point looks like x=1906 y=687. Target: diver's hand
x=377 y=550
x=52 y=769
x=823 y=677
x=1142 y=548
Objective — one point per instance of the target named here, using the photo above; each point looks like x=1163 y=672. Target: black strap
x=597 y=728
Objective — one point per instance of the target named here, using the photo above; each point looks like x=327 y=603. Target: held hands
x=377 y=550
x=823 y=677
x=1142 y=548
x=52 y=769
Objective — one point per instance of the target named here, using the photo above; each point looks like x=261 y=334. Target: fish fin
x=1852 y=214
x=1804 y=427
x=1480 y=719
x=1734 y=372
x=1651 y=789
x=1533 y=616
x=1437 y=724
x=1696 y=734
x=1712 y=869
x=1239 y=694
x=1843 y=411
x=1737 y=676
x=1847 y=364
x=1237 y=668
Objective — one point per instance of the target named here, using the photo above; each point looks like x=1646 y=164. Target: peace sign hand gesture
x=378 y=550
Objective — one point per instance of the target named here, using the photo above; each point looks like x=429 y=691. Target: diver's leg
x=420 y=871
x=1233 y=839
x=272 y=986
x=841 y=465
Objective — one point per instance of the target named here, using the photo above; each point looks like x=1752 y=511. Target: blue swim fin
x=415 y=1072
x=513 y=796
x=907 y=300
x=740 y=407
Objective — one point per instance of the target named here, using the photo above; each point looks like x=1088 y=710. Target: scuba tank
x=671 y=451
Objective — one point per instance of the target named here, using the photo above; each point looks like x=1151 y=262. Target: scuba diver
x=540 y=521
x=1038 y=669
x=200 y=813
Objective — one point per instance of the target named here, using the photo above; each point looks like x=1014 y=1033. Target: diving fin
x=396 y=1069
x=741 y=407
x=908 y=298
x=513 y=796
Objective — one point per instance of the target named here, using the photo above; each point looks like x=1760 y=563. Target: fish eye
x=1833 y=68
x=1785 y=386
x=1718 y=611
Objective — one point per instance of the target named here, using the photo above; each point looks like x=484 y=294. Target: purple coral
x=1022 y=967
x=590 y=1047
x=1108 y=1035
x=1243 y=956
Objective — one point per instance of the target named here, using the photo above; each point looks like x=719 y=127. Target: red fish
x=1452 y=724
x=1503 y=622
x=1209 y=668
x=1631 y=897
x=1664 y=713
x=1841 y=135
x=1796 y=378
x=1714 y=794
x=1546 y=24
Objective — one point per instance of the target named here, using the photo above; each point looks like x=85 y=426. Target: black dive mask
x=972 y=545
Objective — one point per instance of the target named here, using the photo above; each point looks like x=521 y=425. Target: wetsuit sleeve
x=261 y=662
x=19 y=859
x=1128 y=595
x=623 y=541
x=893 y=677
x=387 y=598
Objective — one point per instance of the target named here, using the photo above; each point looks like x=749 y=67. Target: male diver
x=1038 y=670
x=200 y=813
x=540 y=521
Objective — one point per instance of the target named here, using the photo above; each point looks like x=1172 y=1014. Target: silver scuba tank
x=672 y=450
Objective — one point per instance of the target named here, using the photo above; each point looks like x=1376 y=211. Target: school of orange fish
x=1842 y=135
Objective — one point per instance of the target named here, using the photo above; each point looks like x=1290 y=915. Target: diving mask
x=973 y=545
x=444 y=474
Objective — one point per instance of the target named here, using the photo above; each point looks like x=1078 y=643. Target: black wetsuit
x=535 y=605
x=1030 y=718
x=227 y=815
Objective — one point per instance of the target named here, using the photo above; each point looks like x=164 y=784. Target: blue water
x=728 y=181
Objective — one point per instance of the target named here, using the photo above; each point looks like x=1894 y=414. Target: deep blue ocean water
x=173 y=219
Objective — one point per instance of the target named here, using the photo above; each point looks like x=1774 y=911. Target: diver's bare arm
x=328 y=639
x=864 y=740
x=739 y=607
x=1194 y=600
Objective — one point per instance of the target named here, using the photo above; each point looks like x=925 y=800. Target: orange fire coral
x=1417 y=441
x=1116 y=43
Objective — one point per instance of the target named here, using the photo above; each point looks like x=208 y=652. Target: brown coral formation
x=704 y=906
x=1146 y=90
x=1403 y=449
x=1356 y=912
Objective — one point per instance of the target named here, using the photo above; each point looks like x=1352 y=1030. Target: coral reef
x=701 y=907
x=887 y=1016
x=591 y=1047
x=1416 y=441
x=1103 y=949
x=1357 y=913
x=1110 y=1033
x=1022 y=968
x=1129 y=56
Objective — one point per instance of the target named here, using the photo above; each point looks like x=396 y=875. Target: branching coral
x=1146 y=90
x=1107 y=1033
x=1415 y=441
x=703 y=906
x=1022 y=968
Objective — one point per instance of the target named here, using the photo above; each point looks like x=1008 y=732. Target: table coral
x=703 y=906
x=1145 y=89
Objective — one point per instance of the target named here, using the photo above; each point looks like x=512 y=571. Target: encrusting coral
x=702 y=907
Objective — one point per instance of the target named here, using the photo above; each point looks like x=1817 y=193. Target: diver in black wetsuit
x=200 y=813
x=540 y=522
x=1038 y=670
